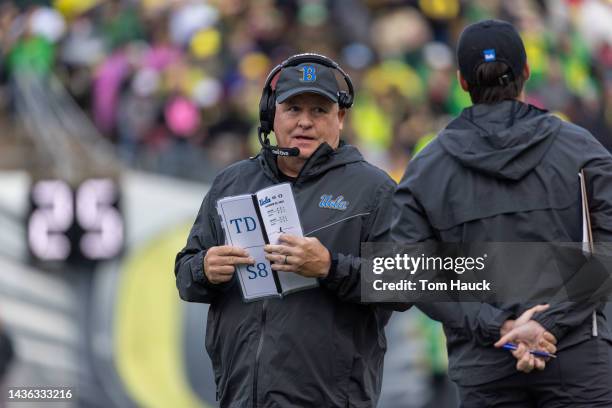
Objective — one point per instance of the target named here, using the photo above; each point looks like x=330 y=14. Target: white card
x=242 y=229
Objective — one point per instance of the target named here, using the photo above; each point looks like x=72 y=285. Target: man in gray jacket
x=506 y=171
x=319 y=347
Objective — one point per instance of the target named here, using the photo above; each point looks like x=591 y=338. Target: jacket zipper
x=259 y=348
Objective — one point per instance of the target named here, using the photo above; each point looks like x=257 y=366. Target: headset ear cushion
x=271 y=109
x=263 y=107
x=266 y=110
x=345 y=100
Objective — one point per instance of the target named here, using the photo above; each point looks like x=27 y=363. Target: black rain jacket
x=315 y=348
x=505 y=172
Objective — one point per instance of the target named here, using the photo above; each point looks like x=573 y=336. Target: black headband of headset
x=267 y=104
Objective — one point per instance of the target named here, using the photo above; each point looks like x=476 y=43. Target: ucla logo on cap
x=489 y=55
x=308 y=73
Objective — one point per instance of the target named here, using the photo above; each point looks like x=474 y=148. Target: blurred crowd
x=175 y=85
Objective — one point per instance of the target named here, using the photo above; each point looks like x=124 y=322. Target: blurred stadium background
x=116 y=115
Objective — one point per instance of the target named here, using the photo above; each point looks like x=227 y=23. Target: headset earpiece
x=271 y=109
x=266 y=110
x=345 y=100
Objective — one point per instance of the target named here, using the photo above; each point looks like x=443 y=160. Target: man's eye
x=320 y=110
x=293 y=109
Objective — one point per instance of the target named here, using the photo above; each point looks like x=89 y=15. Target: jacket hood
x=506 y=140
x=322 y=160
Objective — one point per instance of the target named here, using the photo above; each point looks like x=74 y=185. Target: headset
x=267 y=103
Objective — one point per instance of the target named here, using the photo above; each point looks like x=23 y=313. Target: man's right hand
x=528 y=331
x=220 y=262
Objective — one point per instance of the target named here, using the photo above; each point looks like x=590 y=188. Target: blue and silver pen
x=537 y=353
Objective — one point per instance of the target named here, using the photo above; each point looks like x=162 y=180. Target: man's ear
x=462 y=81
x=526 y=71
x=341 y=116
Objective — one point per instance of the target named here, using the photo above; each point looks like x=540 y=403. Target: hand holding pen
x=537 y=353
x=528 y=341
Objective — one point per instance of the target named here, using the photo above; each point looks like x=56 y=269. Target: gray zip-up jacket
x=506 y=172
x=315 y=348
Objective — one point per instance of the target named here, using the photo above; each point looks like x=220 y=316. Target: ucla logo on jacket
x=328 y=201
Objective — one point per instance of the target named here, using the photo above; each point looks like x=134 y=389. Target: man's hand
x=219 y=262
x=533 y=335
x=528 y=331
x=526 y=361
x=304 y=256
x=529 y=335
x=524 y=318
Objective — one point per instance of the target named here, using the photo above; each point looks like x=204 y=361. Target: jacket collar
x=323 y=159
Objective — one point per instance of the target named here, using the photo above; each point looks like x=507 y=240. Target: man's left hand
x=304 y=256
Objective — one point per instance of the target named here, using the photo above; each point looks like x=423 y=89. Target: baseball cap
x=307 y=78
x=488 y=41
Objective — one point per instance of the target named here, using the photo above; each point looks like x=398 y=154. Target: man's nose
x=305 y=120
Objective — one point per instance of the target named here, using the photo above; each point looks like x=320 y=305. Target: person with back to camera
x=506 y=171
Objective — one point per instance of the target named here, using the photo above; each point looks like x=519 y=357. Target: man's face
x=306 y=121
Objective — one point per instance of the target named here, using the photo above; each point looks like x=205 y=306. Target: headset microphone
x=278 y=151
x=285 y=151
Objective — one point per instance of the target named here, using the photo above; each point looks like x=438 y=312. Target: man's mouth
x=302 y=137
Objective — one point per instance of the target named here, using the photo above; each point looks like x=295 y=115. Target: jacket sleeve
x=410 y=223
x=191 y=281
x=344 y=276
x=598 y=180
x=562 y=317
x=465 y=319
